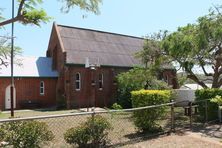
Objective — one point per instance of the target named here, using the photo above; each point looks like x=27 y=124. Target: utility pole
x=12 y=56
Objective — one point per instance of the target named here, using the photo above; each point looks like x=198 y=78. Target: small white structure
x=184 y=96
x=193 y=86
x=186 y=93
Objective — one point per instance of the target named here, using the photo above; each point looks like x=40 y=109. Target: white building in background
x=193 y=86
x=186 y=93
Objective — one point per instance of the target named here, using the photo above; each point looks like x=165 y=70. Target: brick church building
x=79 y=70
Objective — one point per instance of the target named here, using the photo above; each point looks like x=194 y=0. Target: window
x=78 y=81
x=100 y=81
x=42 y=88
x=166 y=79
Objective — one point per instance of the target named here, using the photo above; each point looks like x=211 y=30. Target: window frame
x=100 y=81
x=78 y=81
x=42 y=88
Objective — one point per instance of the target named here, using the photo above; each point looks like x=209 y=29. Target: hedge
x=212 y=109
x=146 y=120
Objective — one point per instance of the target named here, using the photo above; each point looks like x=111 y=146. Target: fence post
x=172 y=116
x=219 y=113
x=206 y=113
x=191 y=121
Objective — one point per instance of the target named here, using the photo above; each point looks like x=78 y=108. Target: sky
x=130 y=17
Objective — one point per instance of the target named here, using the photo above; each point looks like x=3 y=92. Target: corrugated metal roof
x=109 y=48
x=30 y=67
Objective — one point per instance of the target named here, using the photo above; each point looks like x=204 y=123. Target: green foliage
x=212 y=107
x=98 y=129
x=93 y=131
x=152 y=58
x=116 y=106
x=36 y=17
x=24 y=134
x=152 y=55
x=79 y=135
x=136 y=79
x=146 y=120
x=198 y=44
x=181 y=80
x=29 y=12
x=88 y=5
x=5 y=52
x=217 y=99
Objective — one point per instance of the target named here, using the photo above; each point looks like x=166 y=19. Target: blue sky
x=131 y=17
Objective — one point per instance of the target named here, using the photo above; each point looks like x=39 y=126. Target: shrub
x=24 y=134
x=79 y=135
x=136 y=79
x=146 y=120
x=212 y=107
x=217 y=99
x=99 y=127
x=93 y=131
x=116 y=106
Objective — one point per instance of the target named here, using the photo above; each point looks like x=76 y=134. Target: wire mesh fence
x=193 y=115
x=123 y=130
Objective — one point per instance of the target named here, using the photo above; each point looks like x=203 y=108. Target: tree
x=136 y=79
x=28 y=13
x=5 y=48
x=152 y=55
x=4 y=51
x=199 y=44
x=145 y=77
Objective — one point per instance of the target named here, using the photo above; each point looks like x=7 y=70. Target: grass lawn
x=37 y=112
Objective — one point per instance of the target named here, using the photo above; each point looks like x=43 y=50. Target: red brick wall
x=56 y=52
x=58 y=56
x=29 y=89
x=89 y=95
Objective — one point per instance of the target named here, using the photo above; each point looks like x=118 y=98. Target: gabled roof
x=109 y=48
x=28 y=66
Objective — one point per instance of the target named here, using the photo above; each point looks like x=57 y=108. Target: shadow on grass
x=53 y=109
x=139 y=137
x=214 y=129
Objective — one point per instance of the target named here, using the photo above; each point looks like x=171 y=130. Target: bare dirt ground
x=181 y=140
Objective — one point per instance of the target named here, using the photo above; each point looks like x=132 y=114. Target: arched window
x=42 y=88
x=100 y=81
x=78 y=81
